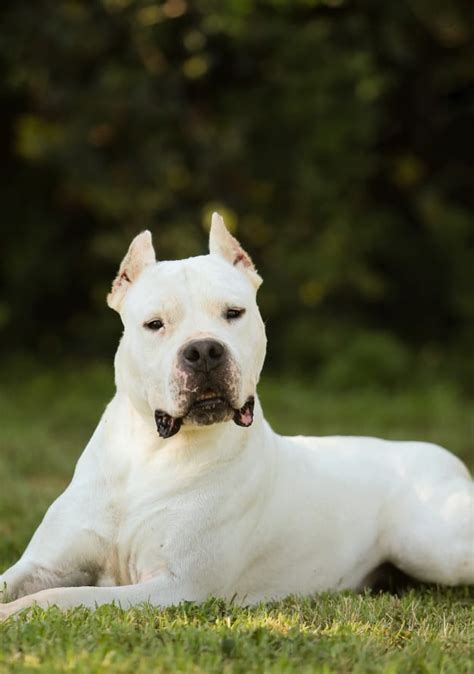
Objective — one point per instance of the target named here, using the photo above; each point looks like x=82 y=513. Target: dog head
x=194 y=341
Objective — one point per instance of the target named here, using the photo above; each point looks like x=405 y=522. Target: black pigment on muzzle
x=244 y=416
x=166 y=425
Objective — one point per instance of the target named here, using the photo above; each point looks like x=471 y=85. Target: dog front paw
x=6 y=593
x=4 y=612
x=3 y=591
x=12 y=609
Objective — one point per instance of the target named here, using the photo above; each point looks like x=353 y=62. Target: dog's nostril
x=216 y=350
x=192 y=354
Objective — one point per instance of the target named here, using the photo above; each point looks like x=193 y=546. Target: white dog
x=213 y=504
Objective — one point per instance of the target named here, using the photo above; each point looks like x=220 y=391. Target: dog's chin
x=209 y=411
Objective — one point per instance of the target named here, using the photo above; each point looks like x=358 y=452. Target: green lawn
x=45 y=420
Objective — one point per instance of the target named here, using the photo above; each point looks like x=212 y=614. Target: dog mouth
x=207 y=408
x=207 y=400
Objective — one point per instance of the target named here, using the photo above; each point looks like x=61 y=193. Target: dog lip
x=244 y=415
x=208 y=394
x=211 y=401
x=166 y=425
x=207 y=402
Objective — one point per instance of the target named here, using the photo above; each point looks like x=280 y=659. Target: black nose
x=203 y=354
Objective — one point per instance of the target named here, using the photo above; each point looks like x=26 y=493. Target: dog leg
x=26 y=577
x=433 y=536
x=70 y=547
x=159 y=592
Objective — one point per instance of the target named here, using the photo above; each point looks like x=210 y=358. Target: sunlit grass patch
x=425 y=631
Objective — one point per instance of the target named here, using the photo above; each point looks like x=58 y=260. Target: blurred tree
x=336 y=135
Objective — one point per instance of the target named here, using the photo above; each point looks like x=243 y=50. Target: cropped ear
x=221 y=242
x=140 y=254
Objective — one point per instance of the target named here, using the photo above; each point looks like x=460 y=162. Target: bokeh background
x=337 y=139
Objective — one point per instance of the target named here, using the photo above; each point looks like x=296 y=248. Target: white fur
x=224 y=510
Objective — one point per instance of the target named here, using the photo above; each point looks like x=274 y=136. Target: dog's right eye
x=154 y=325
x=232 y=314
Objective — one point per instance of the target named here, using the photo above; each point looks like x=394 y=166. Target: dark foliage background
x=336 y=137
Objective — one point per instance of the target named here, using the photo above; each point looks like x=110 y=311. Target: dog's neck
x=217 y=442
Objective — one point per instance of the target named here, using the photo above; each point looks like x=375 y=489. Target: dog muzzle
x=167 y=426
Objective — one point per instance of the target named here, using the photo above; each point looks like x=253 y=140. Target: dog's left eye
x=232 y=314
x=154 y=325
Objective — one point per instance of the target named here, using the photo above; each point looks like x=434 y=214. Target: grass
x=45 y=419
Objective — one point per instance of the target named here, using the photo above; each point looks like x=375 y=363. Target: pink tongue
x=245 y=416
